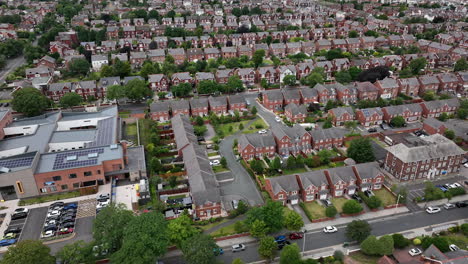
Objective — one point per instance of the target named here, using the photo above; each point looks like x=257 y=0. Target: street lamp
x=398 y=199
x=303 y=242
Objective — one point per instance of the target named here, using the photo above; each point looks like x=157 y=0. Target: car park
x=461 y=204
x=449 y=206
x=238 y=247
x=356 y=197
x=432 y=209
x=330 y=229
x=415 y=252
x=7 y=242
x=295 y=235
x=453 y=247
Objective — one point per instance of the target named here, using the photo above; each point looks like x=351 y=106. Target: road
x=12 y=64
x=316 y=239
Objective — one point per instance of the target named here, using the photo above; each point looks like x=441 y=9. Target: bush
x=338 y=255
x=457 y=191
x=464 y=229
x=400 y=241
x=351 y=207
x=373 y=202
x=440 y=242
x=416 y=241
x=454 y=229
x=331 y=211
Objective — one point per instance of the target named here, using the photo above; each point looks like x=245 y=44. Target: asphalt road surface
x=12 y=64
x=316 y=239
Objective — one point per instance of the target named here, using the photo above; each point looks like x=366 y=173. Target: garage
x=339 y=193
x=352 y=191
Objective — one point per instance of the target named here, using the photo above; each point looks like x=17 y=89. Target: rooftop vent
x=114 y=146
x=70 y=158
x=93 y=155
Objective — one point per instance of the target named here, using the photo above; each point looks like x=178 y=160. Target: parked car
x=215 y=162
x=384 y=126
x=263 y=131
x=70 y=206
x=372 y=130
x=369 y=193
x=16 y=216
x=50 y=222
x=64 y=231
x=415 y=251
x=57 y=204
x=10 y=236
x=7 y=242
x=50 y=227
x=235 y=204
x=455 y=185
x=327 y=203
x=461 y=204
x=278 y=119
x=102 y=204
x=330 y=229
x=12 y=230
x=454 y=247
x=238 y=248
x=54 y=213
x=48 y=233
x=356 y=197
x=21 y=210
x=432 y=210
x=280 y=239
x=69 y=225
x=449 y=206
x=103 y=197
x=296 y=235
x=282 y=244
x=443 y=188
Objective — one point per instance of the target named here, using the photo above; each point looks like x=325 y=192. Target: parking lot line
x=22 y=227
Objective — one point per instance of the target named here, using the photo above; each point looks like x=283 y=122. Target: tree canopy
x=358 y=230
x=181 y=229
x=28 y=251
x=115 y=92
x=267 y=247
x=199 y=249
x=79 y=66
x=71 y=99
x=293 y=221
x=76 y=253
x=136 y=89
x=360 y=150
x=29 y=101
x=271 y=213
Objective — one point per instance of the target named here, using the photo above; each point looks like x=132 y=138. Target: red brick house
x=448 y=82
x=367 y=91
x=218 y=105
x=273 y=100
x=295 y=113
x=177 y=54
x=341 y=181
x=437 y=107
x=247 y=75
x=326 y=92
x=341 y=115
x=159 y=111
x=180 y=107
x=308 y=96
x=46 y=61
x=291 y=96
x=284 y=189
x=346 y=94
x=237 y=103
x=222 y=75
x=313 y=185
x=303 y=69
x=434 y=126
x=292 y=140
x=410 y=112
x=158 y=82
x=409 y=86
x=228 y=52
x=255 y=146
x=369 y=116
x=269 y=73
x=199 y=106
x=369 y=176
x=388 y=88
x=429 y=83
x=181 y=77
x=327 y=138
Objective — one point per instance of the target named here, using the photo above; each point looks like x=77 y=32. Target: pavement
x=126 y=194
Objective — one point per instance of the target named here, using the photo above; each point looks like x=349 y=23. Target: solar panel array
x=16 y=163
x=365 y=112
x=62 y=163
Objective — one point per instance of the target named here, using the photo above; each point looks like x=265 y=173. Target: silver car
x=238 y=248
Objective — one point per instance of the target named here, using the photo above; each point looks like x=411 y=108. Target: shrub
x=400 y=241
x=351 y=207
x=338 y=255
x=454 y=229
x=464 y=229
x=416 y=241
x=331 y=211
x=373 y=202
x=457 y=191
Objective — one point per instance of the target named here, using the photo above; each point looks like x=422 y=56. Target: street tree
x=71 y=99
x=289 y=80
x=181 y=90
x=79 y=66
x=400 y=241
x=76 y=253
x=29 y=101
x=360 y=150
x=358 y=230
x=109 y=226
x=371 y=246
x=237 y=261
x=28 y=251
x=258 y=228
x=267 y=247
x=387 y=245
x=398 y=121
x=115 y=92
x=234 y=84
x=253 y=111
x=290 y=254
x=352 y=207
x=181 y=229
x=199 y=249
x=145 y=239
x=271 y=213
x=293 y=221
x=374 y=202
x=136 y=89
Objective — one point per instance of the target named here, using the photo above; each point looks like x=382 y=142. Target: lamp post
x=303 y=242
x=398 y=199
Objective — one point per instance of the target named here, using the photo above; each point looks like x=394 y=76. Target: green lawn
x=124 y=114
x=361 y=258
x=253 y=127
x=208 y=226
x=338 y=164
x=294 y=171
x=5 y=101
x=219 y=168
x=458 y=239
x=338 y=203
x=131 y=130
x=386 y=197
x=315 y=210
x=211 y=154
x=144 y=125
x=177 y=196
x=224 y=231
x=235 y=127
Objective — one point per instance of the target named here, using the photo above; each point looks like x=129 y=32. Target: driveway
x=242 y=185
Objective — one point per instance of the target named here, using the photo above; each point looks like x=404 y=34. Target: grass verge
x=49 y=198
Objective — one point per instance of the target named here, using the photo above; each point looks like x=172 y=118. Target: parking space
x=33 y=224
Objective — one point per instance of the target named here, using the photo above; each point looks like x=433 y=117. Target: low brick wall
x=174 y=191
x=322 y=219
x=349 y=215
x=394 y=206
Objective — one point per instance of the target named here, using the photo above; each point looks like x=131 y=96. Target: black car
x=282 y=244
x=53 y=217
x=372 y=130
x=369 y=193
x=57 y=204
x=69 y=225
x=50 y=227
x=356 y=197
x=461 y=204
x=69 y=215
x=15 y=230
x=19 y=215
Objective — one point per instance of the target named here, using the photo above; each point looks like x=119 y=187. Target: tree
x=462 y=113
x=400 y=241
x=258 y=228
x=271 y=213
x=327 y=124
x=432 y=193
x=352 y=207
x=331 y=211
x=199 y=121
x=387 y=245
x=450 y=134
x=199 y=249
x=234 y=84
x=461 y=65
x=28 y=251
x=358 y=230
x=289 y=80
x=276 y=163
x=107 y=71
x=351 y=125
x=256 y=166
x=155 y=165
x=440 y=242
x=208 y=87
x=406 y=73
x=291 y=162
x=293 y=221
x=136 y=89
x=290 y=254
x=353 y=34
x=417 y=65
x=258 y=57
x=429 y=96
x=325 y=156
x=76 y=253
x=338 y=255
x=71 y=99
x=360 y=150
x=109 y=226
x=223 y=162
x=29 y=101
x=374 y=74
x=79 y=66
x=374 y=202
x=181 y=90
x=254 y=110
x=147 y=69
x=115 y=92
x=122 y=68
x=145 y=238
x=371 y=246
x=181 y=229
x=354 y=72
x=267 y=247
x=314 y=79
x=343 y=77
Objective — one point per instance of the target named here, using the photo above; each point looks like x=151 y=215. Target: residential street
x=316 y=239
x=11 y=66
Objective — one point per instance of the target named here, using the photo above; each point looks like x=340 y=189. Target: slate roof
x=183 y=131
x=371 y=111
x=286 y=183
x=295 y=109
x=293 y=133
x=291 y=94
x=179 y=105
x=159 y=107
x=453 y=102
x=236 y=99
x=388 y=83
x=274 y=95
x=399 y=109
x=217 y=101
x=339 y=111
x=434 y=123
x=329 y=133
x=368 y=170
x=316 y=178
x=344 y=174
x=257 y=140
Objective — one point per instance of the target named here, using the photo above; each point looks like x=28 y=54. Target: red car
x=65 y=231
x=295 y=236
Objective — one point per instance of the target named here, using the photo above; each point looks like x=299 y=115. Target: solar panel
x=61 y=161
x=15 y=163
